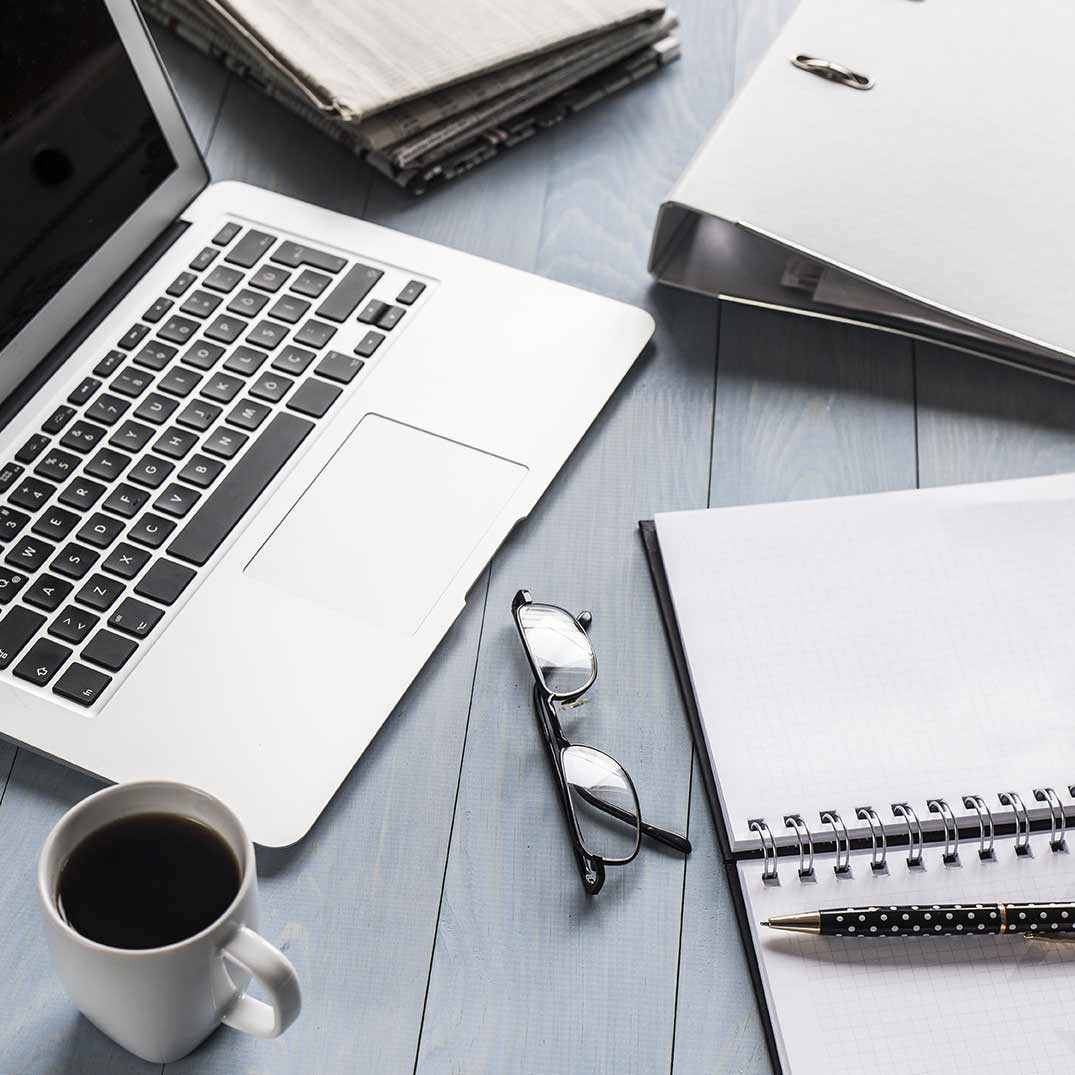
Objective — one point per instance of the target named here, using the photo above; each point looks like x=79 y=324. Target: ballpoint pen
x=1047 y=921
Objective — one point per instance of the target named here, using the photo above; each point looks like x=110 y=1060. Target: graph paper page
x=987 y=1005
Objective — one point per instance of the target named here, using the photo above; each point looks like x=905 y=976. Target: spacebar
x=231 y=499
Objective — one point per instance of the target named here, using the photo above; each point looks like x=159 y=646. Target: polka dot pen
x=933 y=920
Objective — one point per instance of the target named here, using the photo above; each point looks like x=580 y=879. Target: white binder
x=939 y=202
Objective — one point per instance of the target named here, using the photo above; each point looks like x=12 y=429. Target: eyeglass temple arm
x=663 y=836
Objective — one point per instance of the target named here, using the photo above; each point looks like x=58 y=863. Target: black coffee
x=147 y=880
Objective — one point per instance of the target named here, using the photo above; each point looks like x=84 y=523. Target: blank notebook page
x=878 y=649
x=982 y=1005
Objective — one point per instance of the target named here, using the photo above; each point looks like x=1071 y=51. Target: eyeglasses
x=598 y=797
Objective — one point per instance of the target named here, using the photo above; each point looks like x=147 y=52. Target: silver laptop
x=254 y=452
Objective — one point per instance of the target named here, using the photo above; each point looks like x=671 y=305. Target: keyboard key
x=55 y=523
x=178 y=329
x=223 y=279
x=107 y=464
x=311 y=283
x=248 y=414
x=152 y=530
x=157 y=310
x=164 y=581
x=32 y=448
x=16 y=629
x=180 y=284
x=81 y=684
x=293 y=255
x=100 y=530
x=411 y=292
x=198 y=415
x=150 y=471
x=202 y=355
x=206 y=256
x=12 y=521
x=293 y=360
x=47 y=592
x=83 y=392
x=58 y=419
x=226 y=234
x=126 y=500
x=266 y=334
x=344 y=298
x=179 y=381
x=82 y=437
x=339 y=367
x=224 y=442
x=201 y=471
x=109 y=650
x=100 y=593
x=9 y=473
x=57 y=465
x=372 y=310
x=74 y=561
x=133 y=337
x=247 y=303
x=271 y=386
x=42 y=661
x=222 y=388
x=107 y=409
x=156 y=408
x=314 y=398
x=155 y=355
x=32 y=494
x=239 y=488
x=369 y=343
x=226 y=329
x=10 y=584
x=175 y=443
x=126 y=560
x=132 y=436
x=391 y=317
x=269 y=278
x=315 y=333
x=109 y=364
x=135 y=617
x=248 y=250
x=289 y=308
x=29 y=554
x=74 y=624
x=82 y=493
x=131 y=382
x=245 y=360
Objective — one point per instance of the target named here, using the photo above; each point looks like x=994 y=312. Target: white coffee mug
x=160 y=1003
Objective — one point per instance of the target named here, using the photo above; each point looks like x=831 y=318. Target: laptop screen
x=80 y=148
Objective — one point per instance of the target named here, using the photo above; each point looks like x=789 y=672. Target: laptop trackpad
x=385 y=527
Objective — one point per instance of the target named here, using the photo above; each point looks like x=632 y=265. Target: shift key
x=349 y=292
x=16 y=629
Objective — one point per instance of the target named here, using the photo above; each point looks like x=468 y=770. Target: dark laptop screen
x=80 y=149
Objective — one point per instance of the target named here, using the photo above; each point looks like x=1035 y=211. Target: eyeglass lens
x=560 y=649
x=594 y=777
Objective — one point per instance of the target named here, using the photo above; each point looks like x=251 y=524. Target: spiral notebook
x=881 y=690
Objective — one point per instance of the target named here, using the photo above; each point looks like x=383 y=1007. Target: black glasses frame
x=591 y=865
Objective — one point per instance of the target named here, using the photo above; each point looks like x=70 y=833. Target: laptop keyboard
x=137 y=478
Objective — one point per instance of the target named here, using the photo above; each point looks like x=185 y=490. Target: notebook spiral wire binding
x=1058 y=824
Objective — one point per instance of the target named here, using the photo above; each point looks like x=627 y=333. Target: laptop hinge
x=63 y=350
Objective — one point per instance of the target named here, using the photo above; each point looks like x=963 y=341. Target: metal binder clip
x=1058 y=821
x=833 y=72
x=768 y=850
x=914 y=826
x=978 y=804
x=950 y=855
x=869 y=815
x=1022 y=821
x=843 y=859
x=806 y=845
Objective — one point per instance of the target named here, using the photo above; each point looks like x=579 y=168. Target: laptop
x=254 y=453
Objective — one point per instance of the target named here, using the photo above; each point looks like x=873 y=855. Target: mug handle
x=277 y=976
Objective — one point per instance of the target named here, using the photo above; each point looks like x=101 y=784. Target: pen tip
x=765 y=922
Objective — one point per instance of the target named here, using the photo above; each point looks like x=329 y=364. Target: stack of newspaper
x=427 y=89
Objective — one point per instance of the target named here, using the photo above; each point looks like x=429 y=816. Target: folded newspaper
x=428 y=89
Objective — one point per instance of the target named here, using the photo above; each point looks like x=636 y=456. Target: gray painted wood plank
x=528 y=974
x=804 y=409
